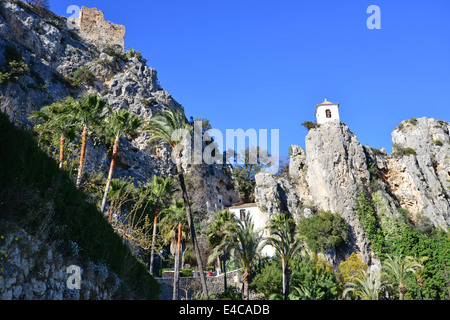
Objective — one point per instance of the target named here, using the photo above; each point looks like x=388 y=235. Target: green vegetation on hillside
x=43 y=200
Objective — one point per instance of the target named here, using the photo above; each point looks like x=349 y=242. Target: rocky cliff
x=56 y=54
x=57 y=60
x=329 y=174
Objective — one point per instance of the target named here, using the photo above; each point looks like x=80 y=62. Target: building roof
x=241 y=205
x=325 y=103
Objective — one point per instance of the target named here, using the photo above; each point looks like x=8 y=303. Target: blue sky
x=265 y=64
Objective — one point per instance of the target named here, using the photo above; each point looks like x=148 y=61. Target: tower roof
x=326 y=103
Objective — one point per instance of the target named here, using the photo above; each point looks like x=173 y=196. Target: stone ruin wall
x=93 y=27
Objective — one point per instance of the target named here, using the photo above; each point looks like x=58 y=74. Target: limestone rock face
x=54 y=52
x=275 y=195
x=297 y=172
x=420 y=177
x=335 y=168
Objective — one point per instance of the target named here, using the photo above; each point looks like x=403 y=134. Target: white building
x=327 y=112
x=260 y=221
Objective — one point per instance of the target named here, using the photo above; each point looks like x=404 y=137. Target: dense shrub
x=15 y=66
x=323 y=231
x=311 y=279
x=309 y=125
x=81 y=76
x=398 y=237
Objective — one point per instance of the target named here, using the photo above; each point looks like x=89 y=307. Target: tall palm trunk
x=111 y=172
x=176 y=276
x=152 y=251
x=246 y=281
x=420 y=281
x=192 y=229
x=111 y=209
x=62 y=143
x=83 y=154
x=224 y=276
x=283 y=269
x=401 y=290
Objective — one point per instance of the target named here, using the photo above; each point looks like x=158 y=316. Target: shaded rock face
x=421 y=180
x=335 y=168
x=275 y=195
x=297 y=172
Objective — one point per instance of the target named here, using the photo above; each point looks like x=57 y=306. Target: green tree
x=367 y=286
x=88 y=111
x=174 y=220
x=268 y=279
x=121 y=194
x=118 y=124
x=161 y=189
x=246 y=245
x=58 y=117
x=351 y=267
x=283 y=239
x=216 y=235
x=398 y=268
x=170 y=128
x=248 y=163
x=323 y=231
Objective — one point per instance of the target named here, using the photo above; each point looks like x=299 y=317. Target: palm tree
x=160 y=189
x=366 y=285
x=246 y=245
x=398 y=269
x=59 y=117
x=88 y=111
x=120 y=193
x=174 y=220
x=120 y=123
x=216 y=235
x=283 y=239
x=170 y=128
x=418 y=273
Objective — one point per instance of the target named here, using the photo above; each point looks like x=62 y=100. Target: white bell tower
x=327 y=112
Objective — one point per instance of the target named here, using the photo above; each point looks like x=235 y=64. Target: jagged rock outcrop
x=297 y=172
x=54 y=51
x=415 y=177
x=335 y=168
x=275 y=195
x=418 y=170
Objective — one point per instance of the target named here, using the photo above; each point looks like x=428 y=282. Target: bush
x=186 y=272
x=399 y=151
x=131 y=53
x=323 y=231
x=310 y=125
x=349 y=268
x=15 y=66
x=40 y=3
x=409 y=151
x=438 y=143
x=83 y=75
x=413 y=121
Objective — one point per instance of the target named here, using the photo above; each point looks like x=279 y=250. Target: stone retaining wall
x=191 y=286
